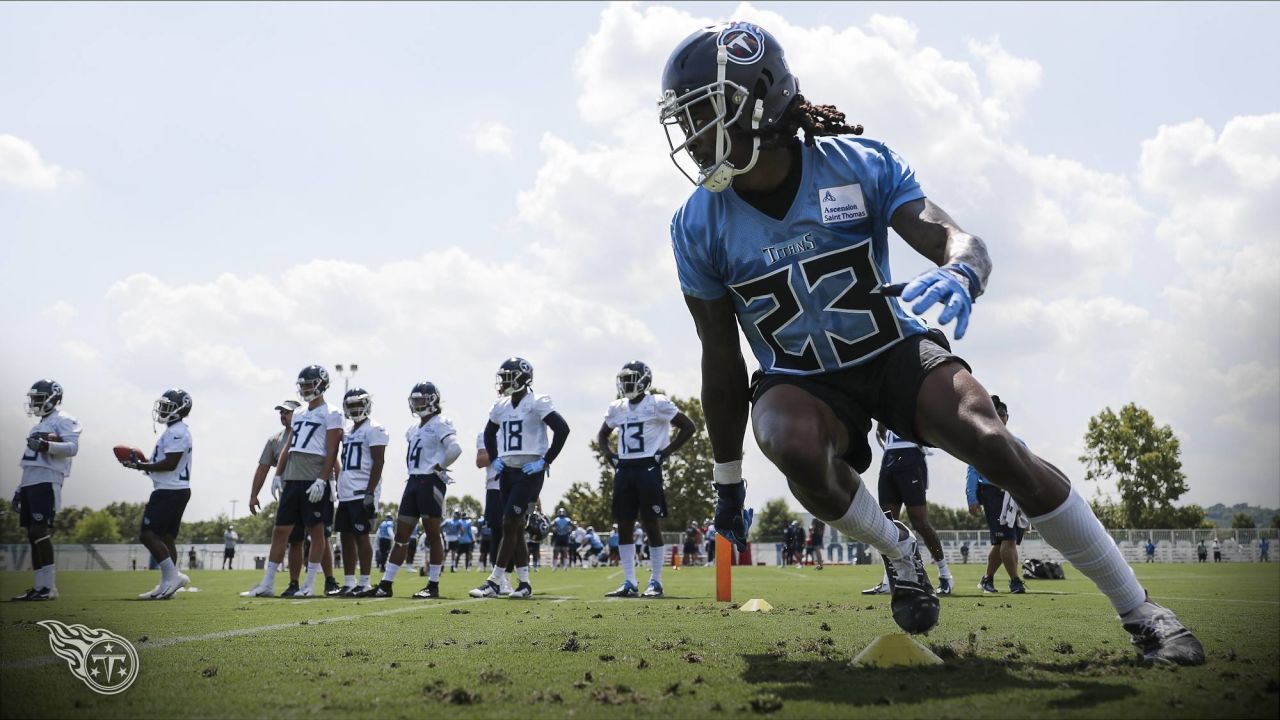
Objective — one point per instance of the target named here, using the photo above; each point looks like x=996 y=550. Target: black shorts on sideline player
x=992 y=500
x=904 y=478
x=423 y=497
x=885 y=387
x=353 y=518
x=297 y=509
x=39 y=503
x=637 y=491
x=163 y=514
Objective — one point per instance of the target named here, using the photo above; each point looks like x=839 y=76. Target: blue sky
x=239 y=161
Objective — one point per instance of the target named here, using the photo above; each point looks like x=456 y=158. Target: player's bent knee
x=796 y=449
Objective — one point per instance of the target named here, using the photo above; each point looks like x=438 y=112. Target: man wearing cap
x=229 y=540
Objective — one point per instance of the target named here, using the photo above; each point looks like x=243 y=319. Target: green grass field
x=1056 y=652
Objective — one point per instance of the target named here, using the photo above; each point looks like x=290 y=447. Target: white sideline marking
x=224 y=634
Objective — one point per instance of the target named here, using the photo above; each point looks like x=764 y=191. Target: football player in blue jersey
x=788 y=240
x=561 y=531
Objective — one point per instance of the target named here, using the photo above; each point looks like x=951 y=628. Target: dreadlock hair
x=814 y=120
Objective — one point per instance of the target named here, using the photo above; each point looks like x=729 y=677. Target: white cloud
x=60 y=313
x=22 y=166
x=492 y=138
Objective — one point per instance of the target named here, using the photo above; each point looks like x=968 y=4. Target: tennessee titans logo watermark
x=743 y=42
x=104 y=661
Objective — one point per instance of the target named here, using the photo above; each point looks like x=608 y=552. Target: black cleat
x=360 y=591
x=914 y=604
x=987 y=585
x=24 y=596
x=42 y=594
x=1017 y=587
x=331 y=586
x=290 y=591
x=383 y=590
x=430 y=592
x=626 y=590
x=1160 y=637
x=339 y=592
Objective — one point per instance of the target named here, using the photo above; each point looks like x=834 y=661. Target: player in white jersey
x=307 y=461
x=516 y=439
x=643 y=421
x=433 y=447
x=491 y=528
x=170 y=471
x=46 y=463
x=364 y=448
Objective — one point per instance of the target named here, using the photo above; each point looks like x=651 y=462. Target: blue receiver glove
x=498 y=466
x=731 y=520
x=534 y=467
x=955 y=285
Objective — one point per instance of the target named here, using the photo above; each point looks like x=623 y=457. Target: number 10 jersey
x=805 y=288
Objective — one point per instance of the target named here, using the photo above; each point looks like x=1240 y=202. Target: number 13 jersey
x=805 y=288
x=644 y=427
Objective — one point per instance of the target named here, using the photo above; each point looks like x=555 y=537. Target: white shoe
x=259 y=591
x=150 y=594
x=504 y=588
x=172 y=588
x=305 y=591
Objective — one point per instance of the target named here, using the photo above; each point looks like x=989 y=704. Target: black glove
x=17 y=500
x=38 y=443
x=370 y=504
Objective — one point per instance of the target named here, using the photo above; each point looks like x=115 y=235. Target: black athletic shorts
x=885 y=387
x=559 y=541
x=484 y=547
x=465 y=548
x=992 y=500
x=297 y=510
x=423 y=497
x=228 y=553
x=353 y=518
x=163 y=514
x=519 y=491
x=39 y=502
x=637 y=490
x=904 y=477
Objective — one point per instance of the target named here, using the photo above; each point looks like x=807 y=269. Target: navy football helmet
x=537 y=526
x=43 y=398
x=515 y=374
x=424 y=399
x=357 y=404
x=172 y=406
x=634 y=380
x=723 y=76
x=312 y=382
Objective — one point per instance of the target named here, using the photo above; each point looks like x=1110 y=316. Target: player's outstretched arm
x=963 y=262
x=726 y=397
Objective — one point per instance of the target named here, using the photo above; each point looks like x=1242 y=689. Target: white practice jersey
x=311 y=425
x=357 y=458
x=175 y=439
x=55 y=465
x=521 y=429
x=644 y=427
x=427 y=444
x=490 y=474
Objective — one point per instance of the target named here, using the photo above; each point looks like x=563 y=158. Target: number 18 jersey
x=521 y=428
x=643 y=427
x=805 y=288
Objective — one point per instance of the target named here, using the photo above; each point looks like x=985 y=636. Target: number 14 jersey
x=805 y=288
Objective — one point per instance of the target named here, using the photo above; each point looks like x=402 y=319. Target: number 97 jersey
x=805 y=288
x=644 y=427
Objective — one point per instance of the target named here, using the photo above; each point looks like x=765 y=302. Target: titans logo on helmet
x=743 y=42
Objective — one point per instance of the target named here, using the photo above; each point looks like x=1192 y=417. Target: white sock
x=167 y=571
x=313 y=569
x=627 y=557
x=865 y=521
x=269 y=577
x=1073 y=530
x=389 y=574
x=943 y=570
x=522 y=574
x=364 y=581
x=348 y=580
x=884 y=578
x=656 y=556
x=433 y=573
x=496 y=576
x=44 y=577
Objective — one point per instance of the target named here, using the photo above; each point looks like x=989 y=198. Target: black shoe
x=1017 y=587
x=383 y=590
x=339 y=592
x=361 y=591
x=42 y=594
x=987 y=586
x=430 y=592
x=331 y=586
x=523 y=590
x=290 y=591
x=1160 y=637
x=915 y=605
x=24 y=596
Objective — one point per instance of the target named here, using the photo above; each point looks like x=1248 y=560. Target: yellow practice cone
x=756 y=605
x=896 y=650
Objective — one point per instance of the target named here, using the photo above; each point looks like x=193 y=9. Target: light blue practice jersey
x=805 y=287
